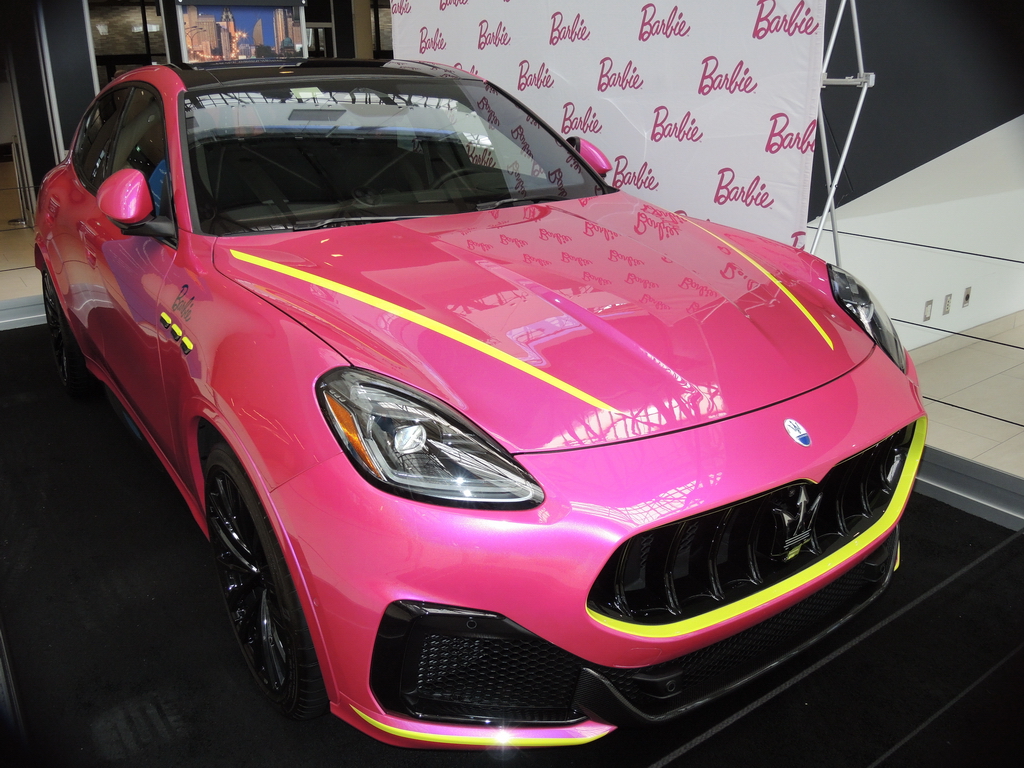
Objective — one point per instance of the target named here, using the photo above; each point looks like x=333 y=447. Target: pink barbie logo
x=475 y=246
x=428 y=43
x=481 y=156
x=755 y=194
x=520 y=185
x=401 y=7
x=798 y=239
x=628 y=78
x=489 y=114
x=540 y=79
x=689 y=284
x=590 y=229
x=739 y=81
x=498 y=38
x=567 y=33
x=506 y=240
x=663 y=227
x=556 y=236
x=643 y=178
x=731 y=272
x=614 y=255
x=647 y=284
x=585 y=123
x=779 y=137
x=568 y=257
x=446 y=3
x=800 y=22
x=599 y=280
x=651 y=26
x=519 y=133
x=684 y=129
x=647 y=299
x=528 y=259
x=472 y=69
x=557 y=178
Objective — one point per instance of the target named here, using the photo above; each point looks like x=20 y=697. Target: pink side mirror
x=595 y=158
x=125 y=197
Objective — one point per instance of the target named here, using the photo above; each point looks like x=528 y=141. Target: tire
x=71 y=368
x=258 y=592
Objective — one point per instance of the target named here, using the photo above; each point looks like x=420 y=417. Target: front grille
x=703 y=562
x=456 y=665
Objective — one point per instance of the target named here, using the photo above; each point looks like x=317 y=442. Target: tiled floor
x=18 y=277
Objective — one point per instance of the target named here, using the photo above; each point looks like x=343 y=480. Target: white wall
x=970 y=200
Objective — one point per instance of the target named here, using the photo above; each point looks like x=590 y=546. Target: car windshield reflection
x=317 y=153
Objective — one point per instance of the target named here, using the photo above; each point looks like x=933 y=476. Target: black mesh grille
x=496 y=672
x=456 y=665
x=703 y=562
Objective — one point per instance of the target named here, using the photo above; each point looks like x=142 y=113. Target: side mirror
x=595 y=158
x=125 y=199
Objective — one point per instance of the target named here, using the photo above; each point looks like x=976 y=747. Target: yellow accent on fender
x=775 y=280
x=797 y=580
x=497 y=740
x=426 y=322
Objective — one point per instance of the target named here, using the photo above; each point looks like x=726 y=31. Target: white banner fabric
x=706 y=107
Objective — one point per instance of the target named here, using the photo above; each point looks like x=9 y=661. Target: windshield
x=334 y=152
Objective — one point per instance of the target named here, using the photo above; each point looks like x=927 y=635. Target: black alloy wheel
x=259 y=593
x=71 y=366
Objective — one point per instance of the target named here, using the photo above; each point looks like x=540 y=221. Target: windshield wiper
x=507 y=202
x=344 y=221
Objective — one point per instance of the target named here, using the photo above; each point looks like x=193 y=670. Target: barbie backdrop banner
x=703 y=107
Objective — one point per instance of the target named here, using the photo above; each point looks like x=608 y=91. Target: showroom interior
x=109 y=666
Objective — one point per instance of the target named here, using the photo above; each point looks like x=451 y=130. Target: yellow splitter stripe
x=426 y=322
x=493 y=739
x=859 y=544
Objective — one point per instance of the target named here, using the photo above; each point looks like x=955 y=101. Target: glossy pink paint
x=124 y=197
x=595 y=158
x=699 y=353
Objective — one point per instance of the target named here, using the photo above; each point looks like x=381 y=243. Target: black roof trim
x=223 y=73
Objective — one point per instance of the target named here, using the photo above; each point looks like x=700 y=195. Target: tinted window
x=98 y=128
x=140 y=144
x=348 y=150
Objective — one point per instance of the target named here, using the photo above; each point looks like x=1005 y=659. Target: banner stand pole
x=862 y=80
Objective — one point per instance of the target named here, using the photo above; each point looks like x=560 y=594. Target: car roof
x=201 y=76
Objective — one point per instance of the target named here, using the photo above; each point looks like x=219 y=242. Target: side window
x=140 y=144
x=93 y=149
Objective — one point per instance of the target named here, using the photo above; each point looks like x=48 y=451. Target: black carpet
x=122 y=655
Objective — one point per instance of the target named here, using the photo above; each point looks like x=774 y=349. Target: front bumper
x=361 y=551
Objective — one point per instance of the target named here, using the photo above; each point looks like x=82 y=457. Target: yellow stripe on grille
x=797 y=580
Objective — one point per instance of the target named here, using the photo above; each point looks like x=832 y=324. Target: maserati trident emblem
x=797 y=432
x=793 y=512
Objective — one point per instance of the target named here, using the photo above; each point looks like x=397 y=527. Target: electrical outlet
x=928 y=310
x=947 y=303
x=967 y=295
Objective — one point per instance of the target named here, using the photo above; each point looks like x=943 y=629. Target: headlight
x=862 y=307
x=410 y=444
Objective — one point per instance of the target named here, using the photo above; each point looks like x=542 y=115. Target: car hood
x=556 y=326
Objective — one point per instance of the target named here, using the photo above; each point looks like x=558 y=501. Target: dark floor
x=122 y=656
